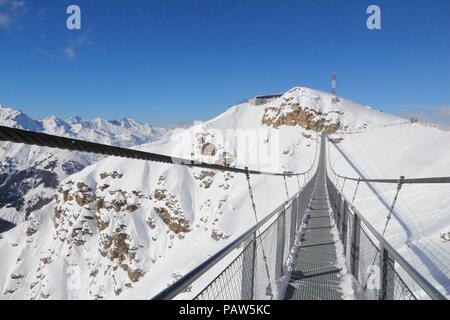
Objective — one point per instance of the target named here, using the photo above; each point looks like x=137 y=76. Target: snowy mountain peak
x=17 y=119
x=74 y=120
x=55 y=125
x=122 y=132
x=317 y=110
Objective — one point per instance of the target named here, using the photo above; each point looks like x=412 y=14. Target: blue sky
x=164 y=61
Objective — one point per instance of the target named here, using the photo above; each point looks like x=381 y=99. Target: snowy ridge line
x=401 y=180
x=51 y=141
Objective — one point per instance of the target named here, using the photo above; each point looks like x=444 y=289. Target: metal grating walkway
x=315 y=275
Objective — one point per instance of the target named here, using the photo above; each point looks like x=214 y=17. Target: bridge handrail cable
x=14 y=135
x=431 y=180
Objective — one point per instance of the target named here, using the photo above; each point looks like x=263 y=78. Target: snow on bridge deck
x=316 y=275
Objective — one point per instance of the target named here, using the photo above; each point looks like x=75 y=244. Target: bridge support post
x=336 y=198
x=387 y=276
x=354 y=256
x=248 y=269
x=294 y=214
x=344 y=227
x=302 y=209
x=280 y=245
x=338 y=219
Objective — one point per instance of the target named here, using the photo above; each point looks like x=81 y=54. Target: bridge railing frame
x=362 y=244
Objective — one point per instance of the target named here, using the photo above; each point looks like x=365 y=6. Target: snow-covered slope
x=420 y=229
x=29 y=176
x=127 y=228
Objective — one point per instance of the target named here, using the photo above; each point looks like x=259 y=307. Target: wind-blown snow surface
x=126 y=228
x=422 y=213
x=29 y=175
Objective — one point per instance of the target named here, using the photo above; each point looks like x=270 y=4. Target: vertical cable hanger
x=356 y=190
x=388 y=218
x=343 y=185
x=394 y=202
x=250 y=191
x=286 y=187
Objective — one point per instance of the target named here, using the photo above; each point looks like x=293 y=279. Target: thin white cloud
x=444 y=111
x=13 y=4
x=41 y=52
x=5 y=20
x=16 y=5
x=10 y=12
x=70 y=51
x=434 y=113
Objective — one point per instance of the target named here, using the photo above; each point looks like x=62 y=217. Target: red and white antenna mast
x=333 y=84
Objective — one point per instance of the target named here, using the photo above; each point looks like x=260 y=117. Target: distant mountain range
x=30 y=175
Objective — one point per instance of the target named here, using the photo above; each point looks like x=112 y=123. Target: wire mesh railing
x=373 y=263
x=253 y=274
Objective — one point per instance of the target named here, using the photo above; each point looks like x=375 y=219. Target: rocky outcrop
x=114 y=174
x=445 y=237
x=208 y=149
x=336 y=140
x=116 y=247
x=306 y=135
x=224 y=159
x=289 y=112
x=218 y=235
x=205 y=177
x=304 y=117
x=205 y=145
x=168 y=209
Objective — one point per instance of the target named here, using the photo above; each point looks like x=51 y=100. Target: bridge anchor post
x=344 y=227
x=294 y=214
x=354 y=256
x=280 y=245
x=248 y=269
x=387 y=275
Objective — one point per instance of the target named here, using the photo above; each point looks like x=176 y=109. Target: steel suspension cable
x=430 y=180
x=51 y=141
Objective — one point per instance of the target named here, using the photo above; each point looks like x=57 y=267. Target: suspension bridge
x=293 y=252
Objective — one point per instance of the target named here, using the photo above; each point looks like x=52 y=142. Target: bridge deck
x=316 y=275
